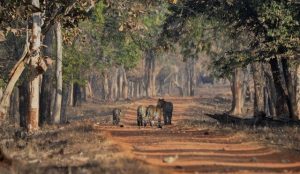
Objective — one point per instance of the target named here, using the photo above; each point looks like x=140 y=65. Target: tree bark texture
x=237 y=92
x=291 y=97
x=47 y=83
x=23 y=105
x=34 y=81
x=259 y=85
x=58 y=74
x=298 y=90
x=150 y=73
x=281 y=96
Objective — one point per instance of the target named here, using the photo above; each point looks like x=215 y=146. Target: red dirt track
x=199 y=150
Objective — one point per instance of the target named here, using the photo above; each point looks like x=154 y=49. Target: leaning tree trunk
x=237 y=92
x=298 y=90
x=34 y=83
x=58 y=75
x=259 y=84
x=47 y=83
x=291 y=97
x=150 y=73
x=281 y=99
x=13 y=78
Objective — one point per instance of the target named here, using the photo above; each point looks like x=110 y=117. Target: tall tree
x=58 y=70
x=35 y=75
x=298 y=90
x=259 y=86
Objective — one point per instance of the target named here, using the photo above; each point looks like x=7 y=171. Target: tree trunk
x=47 y=83
x=187 y=82
x=237 y=92
x=150 y=73
x=105 y=86
x=125 y=85
x=120 y=83
x=58 y=75
x=88 y=89
x=269 y=92
x=1 y=92
x=113 y=85
x=291 y=97
x=281 y=99
x=178 y=86
x=191 y=77
x=84 y=94
x=34 y=83
x=23 y=105
x=259 y=84
x=14 y=107
x=298 y=90
x=14 y=76
x=65 y=95
x=129 y=89
x=71 y=94
x=77 y=95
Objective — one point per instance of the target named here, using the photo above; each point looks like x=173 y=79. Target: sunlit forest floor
x=201 y=140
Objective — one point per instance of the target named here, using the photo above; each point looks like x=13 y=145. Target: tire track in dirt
x=197 y=150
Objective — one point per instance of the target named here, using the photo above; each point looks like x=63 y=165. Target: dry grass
x=73 y=148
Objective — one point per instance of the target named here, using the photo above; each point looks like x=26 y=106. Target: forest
x=149 y=86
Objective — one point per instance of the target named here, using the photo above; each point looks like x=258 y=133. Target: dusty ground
x=195 y=143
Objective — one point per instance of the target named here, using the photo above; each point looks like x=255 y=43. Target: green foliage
x=75 y=64
x=255 y=30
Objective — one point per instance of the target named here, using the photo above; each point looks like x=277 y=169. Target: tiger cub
x=154 y=115
x=116 y=116
x=141 y=116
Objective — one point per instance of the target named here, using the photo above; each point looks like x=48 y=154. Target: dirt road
x=194 y=143
x=181 y=148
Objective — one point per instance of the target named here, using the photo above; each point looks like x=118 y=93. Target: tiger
x=167 y=110
x=116 y=116
x=141 y=116
x=154 y=115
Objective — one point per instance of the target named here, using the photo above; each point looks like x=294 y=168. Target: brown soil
x=198 y=149
x=194 y=143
